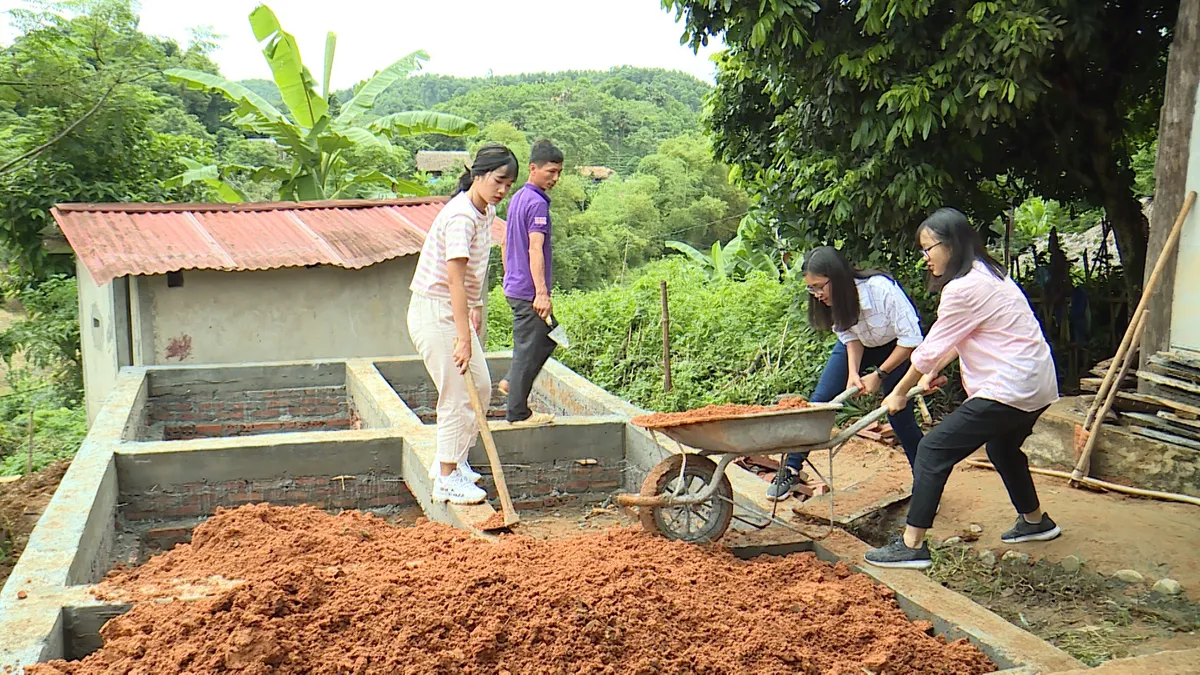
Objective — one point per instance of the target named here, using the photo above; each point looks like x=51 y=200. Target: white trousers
x=431 y=328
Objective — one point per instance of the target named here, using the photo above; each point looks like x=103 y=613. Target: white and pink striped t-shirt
x=459 y=231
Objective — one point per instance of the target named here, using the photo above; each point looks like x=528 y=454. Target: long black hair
x=828 y=262
x=489 y=158
x=950 y=228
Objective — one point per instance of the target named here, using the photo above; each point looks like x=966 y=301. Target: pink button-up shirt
x=1002 y=353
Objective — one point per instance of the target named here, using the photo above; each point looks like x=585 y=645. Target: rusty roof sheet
x=115 y=240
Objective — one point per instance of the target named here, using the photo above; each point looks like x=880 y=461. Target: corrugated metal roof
x=115 y=240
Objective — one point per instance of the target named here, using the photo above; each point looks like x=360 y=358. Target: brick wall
x=188 y=500
x=422 y=400
x=547 y=484
x=246 y=413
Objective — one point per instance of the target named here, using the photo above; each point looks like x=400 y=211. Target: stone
x=987 y=558
x=1015 y=556
x=1071 y=564
x=1167 y=587
x=976 y=528
x=1128 y=576
x=953 y=541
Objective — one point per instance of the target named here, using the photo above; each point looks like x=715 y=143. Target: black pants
x=1001 y=427
x=531 y=347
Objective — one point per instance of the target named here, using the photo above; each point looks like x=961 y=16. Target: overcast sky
x=463 y=37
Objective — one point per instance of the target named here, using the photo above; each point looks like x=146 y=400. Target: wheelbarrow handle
x=868 y=419
x=845 y=395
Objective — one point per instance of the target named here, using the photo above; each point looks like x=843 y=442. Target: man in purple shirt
x=527 y=281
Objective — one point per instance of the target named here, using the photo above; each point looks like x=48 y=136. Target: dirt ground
x=317 y=593
x=1085 y=612
x=21 y=504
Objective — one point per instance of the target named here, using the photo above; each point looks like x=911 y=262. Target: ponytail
x=489 y=158
x=464 y=182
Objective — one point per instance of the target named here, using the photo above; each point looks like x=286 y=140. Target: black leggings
x=1001 y=427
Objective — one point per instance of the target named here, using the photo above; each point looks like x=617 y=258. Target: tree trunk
x=1115 y=183
x=1170 y=168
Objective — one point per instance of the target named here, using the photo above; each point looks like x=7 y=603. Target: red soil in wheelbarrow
x=712 y=413
x=352 y=594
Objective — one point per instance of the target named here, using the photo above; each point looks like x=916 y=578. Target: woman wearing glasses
x=877 y=328
x=984 y=321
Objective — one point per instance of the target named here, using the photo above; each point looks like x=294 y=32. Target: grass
x=1089 y=616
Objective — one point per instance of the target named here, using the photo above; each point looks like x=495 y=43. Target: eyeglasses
x=925 y=251
x=817 y=290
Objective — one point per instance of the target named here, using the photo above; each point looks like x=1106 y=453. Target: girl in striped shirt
x=446 y=313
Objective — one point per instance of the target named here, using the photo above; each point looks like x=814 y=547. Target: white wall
x=98 y=337
x=1185 y=310
x=274 y=315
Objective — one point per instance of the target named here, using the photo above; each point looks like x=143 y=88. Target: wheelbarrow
x=688 y=497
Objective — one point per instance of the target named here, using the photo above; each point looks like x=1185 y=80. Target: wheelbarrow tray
x=758 y=433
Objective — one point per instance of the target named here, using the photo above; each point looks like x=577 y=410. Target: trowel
x=558 y=333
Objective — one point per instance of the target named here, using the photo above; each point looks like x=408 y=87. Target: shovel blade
x=560 y=336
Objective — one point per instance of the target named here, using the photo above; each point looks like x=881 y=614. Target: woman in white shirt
x=446 y=310
x=877 y=328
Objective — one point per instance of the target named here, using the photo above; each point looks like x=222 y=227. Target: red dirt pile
x=712 y=413
x=352 y=594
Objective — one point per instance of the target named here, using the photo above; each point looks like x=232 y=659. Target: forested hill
x=611 y=118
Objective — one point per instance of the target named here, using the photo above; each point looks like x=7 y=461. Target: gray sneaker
x=783 y=484
x=898 y=554
x=1027 y=531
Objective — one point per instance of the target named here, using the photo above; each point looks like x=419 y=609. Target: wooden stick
x=666 y=330
x=29 y=459
x=1108 y=388
x=1101 y=484
x=489 y=444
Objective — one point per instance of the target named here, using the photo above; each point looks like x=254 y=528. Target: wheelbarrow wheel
x=697 y=523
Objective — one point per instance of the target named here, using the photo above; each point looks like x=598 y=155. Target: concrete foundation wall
x=1119 y=456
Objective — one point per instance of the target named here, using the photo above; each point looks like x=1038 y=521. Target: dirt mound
x=352 y=594
x=21 y=504
x=712 y=413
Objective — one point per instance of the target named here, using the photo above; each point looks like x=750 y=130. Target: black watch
x=882 y=373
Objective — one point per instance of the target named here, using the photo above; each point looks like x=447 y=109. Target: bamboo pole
x=1100 y=484
x=666 y=337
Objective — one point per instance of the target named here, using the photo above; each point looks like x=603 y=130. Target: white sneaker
x=470 y=474
x=456 y=489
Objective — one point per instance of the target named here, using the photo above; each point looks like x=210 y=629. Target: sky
x=463 y=37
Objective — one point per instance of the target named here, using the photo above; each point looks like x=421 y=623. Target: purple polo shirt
x=528 y=211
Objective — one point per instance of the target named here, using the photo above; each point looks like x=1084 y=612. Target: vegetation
x=851 y=121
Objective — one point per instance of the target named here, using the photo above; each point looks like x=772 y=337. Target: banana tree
x=316 y=142
x=734 y=260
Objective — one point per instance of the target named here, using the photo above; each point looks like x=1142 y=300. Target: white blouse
x=885 y=314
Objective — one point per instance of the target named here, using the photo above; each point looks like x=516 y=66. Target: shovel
x=558 y=334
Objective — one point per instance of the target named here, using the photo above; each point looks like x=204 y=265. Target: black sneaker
x=898 y=554
x=1027 y=531
x=781 y=487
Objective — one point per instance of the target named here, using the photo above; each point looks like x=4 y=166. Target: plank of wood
x=1166 y=437
x=1163 y=366
x=1171 y=382
x=1123 y=405
x=1178 y=419
x=1151 y=399
x=1161 y=424
x=1091 y=385
x=1184 y=357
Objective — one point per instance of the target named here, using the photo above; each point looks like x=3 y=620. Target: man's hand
x=871 y=383
x=462 y=355
x=856 y=382
x=541 y=305
x=477 y=320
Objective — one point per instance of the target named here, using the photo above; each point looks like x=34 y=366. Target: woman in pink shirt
x=984 y=321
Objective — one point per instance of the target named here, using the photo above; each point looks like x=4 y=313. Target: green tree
x=321 y=145
x=852 y=120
